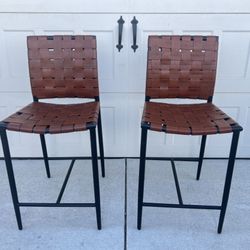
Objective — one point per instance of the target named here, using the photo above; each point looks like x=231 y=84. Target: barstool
x=184 y=67
x=60 y=67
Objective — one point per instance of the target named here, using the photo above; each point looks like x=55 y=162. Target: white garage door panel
x=160 y=144
x=71 y=144
x=194 y=6
x=14 y=71
x=57 y=6
x=234 y=45
x=15 y=87
x=125 y=6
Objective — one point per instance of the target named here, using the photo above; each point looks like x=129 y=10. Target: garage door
x=122 y=74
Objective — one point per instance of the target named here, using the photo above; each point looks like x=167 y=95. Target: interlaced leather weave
x=195 y=119
x=181 y=66
x=44 y=118
x=63 y=66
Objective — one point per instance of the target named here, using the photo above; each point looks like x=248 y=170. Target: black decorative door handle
x=134 y=27
x=119 y=46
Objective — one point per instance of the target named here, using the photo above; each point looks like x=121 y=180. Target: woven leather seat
x=44 y=118
x=188 y=119
x=184 y=67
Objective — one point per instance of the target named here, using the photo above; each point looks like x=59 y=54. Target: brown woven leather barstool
x=184 y=67
x=60 y=67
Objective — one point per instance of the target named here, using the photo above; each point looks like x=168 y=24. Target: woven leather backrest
x=181 y=66
x=63 y=66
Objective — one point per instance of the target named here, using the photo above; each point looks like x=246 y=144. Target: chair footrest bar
x=34 y=204
x=193 y=159
x=154 y=204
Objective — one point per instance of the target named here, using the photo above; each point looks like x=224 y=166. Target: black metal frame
x=45 y=155
x=227 y=184
x=100 y=139
x=94 y=157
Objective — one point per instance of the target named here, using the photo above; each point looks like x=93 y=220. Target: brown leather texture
x=189 y=119
x=181 y=66
x=63 y=66
x=42 y=118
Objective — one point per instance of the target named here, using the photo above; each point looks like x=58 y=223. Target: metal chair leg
x=45 y=155
x=228 y=180
x=100 y=138
x=141 y=176
x=11 y=177
x=202 y=150
x=95 y=176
